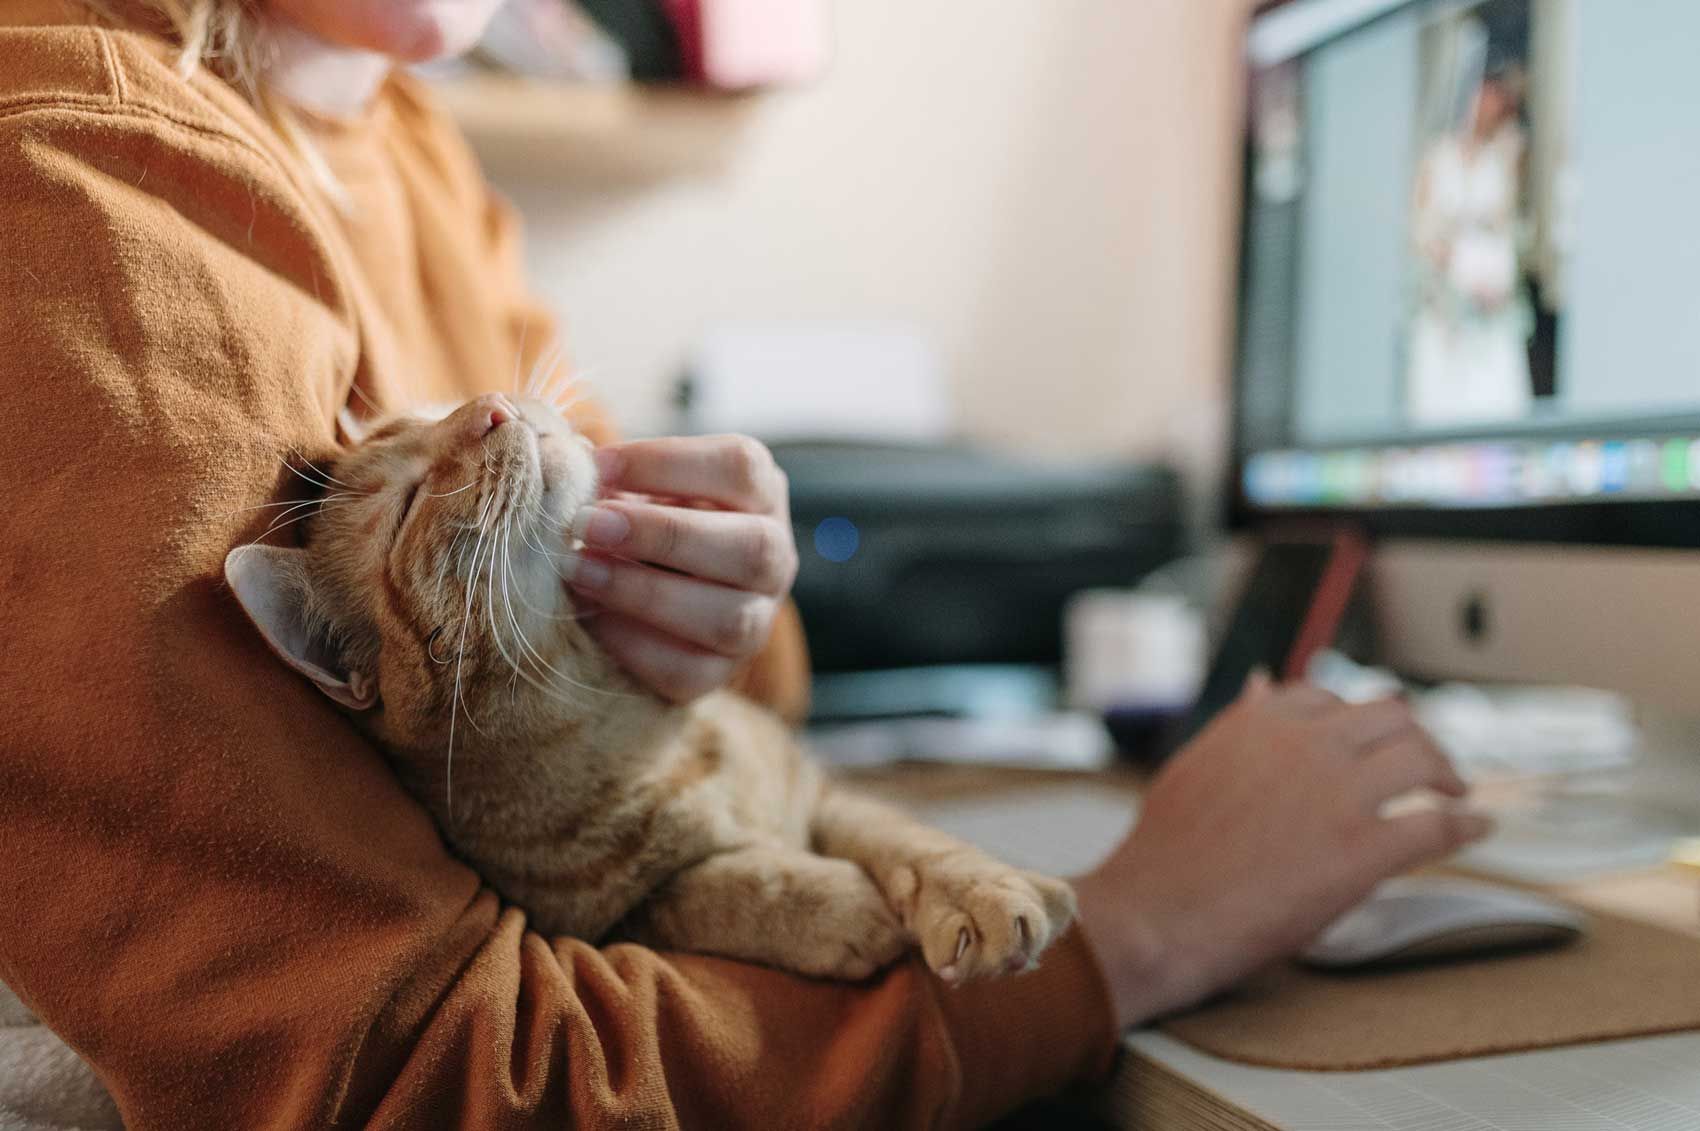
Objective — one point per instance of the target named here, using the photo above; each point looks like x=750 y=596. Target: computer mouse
x=1417 y=920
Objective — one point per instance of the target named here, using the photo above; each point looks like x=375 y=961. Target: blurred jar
x=1132 y=649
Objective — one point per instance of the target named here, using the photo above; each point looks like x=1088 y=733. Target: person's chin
x=408 y=31
x=437 y=29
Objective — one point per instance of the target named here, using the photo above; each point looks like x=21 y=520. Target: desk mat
x=1622 y=979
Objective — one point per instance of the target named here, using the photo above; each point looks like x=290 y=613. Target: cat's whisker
x=284 y=503
x=530 y=385
x=577 y=389
x=519 y=355
x=454 y=543
x=526 y=649
x=449 y=558
x=542 y=614
x=490 y=598
x=526 y=535
x=560 y=388
x=580 y=389
x=489 y=562
x=322 y=473
x=544 y=366
x=311 y=507
x=364 y=399
x=455 y=696
x=558 y=373
x=319 y=483
x=529 y=652
x=539 y=659
x=456 y=491
x=513 y=680
x=551 y=392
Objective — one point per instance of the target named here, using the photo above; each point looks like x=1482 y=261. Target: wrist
x=1146 y=973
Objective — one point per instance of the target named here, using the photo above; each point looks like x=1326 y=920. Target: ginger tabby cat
x=427 y=599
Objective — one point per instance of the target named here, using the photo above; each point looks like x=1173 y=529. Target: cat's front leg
x=778 y=906
x=973 y=916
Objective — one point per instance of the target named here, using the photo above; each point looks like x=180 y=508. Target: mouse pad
x=1623 y=979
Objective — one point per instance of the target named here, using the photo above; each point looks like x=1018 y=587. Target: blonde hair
x=225 y=36
x=228 y=37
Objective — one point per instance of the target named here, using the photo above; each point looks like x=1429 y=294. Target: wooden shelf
x=523 y=127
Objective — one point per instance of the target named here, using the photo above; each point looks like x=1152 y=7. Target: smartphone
x=1290 y=608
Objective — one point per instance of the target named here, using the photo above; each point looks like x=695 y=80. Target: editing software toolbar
x=1478 y=474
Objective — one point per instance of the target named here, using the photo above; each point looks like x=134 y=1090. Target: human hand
x=1259 y=834
x=688 y=558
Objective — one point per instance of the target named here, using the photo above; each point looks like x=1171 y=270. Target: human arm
x=1259 y=834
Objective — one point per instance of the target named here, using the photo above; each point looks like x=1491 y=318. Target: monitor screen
x=1471 y=263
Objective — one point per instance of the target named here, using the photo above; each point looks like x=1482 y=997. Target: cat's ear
x=273 y=586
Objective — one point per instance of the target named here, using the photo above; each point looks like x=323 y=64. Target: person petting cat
x=427 y=593
x=235 y=238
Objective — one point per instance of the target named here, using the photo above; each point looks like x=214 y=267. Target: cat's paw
x=975 y=917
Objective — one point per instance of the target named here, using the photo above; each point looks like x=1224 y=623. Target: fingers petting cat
x=971 y=915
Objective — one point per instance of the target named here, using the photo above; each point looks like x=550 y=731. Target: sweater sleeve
x=212 y=886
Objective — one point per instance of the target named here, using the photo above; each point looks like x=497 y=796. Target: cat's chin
x=567 y=477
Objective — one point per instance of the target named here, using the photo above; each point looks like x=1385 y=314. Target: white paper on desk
x=1064 y=829
x=1061 y=740
x=830 y=381
x=1650 y=1084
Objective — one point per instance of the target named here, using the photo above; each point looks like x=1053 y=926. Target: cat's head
x=432 y=571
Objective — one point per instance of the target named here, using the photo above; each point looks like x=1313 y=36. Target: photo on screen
x=1487 y=216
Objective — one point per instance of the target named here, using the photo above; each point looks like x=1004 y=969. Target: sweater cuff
x=1033 y=1034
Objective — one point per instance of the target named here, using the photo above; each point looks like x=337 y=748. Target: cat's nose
x=480 y=416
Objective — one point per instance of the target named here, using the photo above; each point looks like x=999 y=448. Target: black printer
x=938 y=555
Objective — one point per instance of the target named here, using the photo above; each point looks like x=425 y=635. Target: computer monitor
x=1469 y=322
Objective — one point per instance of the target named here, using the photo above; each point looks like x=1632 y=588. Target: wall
x=1045 y=187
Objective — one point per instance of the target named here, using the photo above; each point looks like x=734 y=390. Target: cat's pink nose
x=485 y=414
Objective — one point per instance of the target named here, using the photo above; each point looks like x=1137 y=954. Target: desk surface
x=1063 y=823
x=1651 y=1084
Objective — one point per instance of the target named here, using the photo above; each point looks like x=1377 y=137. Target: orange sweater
x=209 y=884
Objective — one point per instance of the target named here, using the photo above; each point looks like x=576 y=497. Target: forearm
x=624 y=1035
x=1143 y=979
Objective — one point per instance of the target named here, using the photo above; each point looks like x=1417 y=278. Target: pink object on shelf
x=741 y=44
